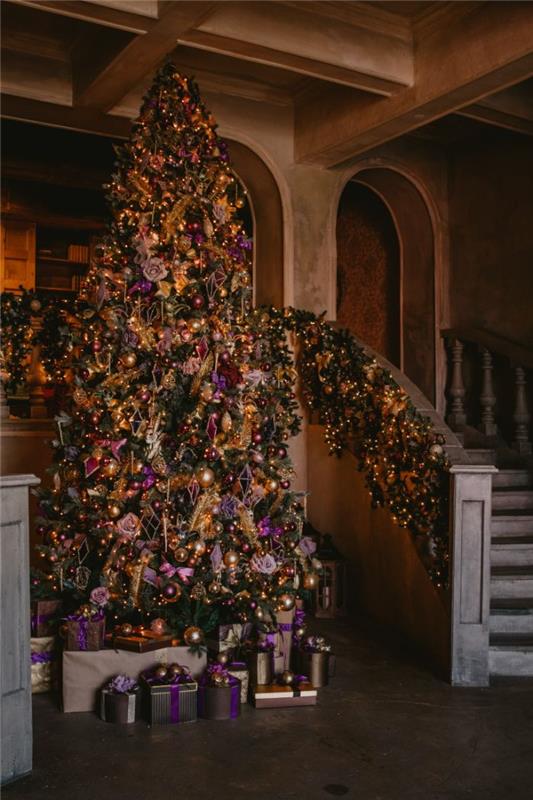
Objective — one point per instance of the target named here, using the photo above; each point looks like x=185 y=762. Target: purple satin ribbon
x=42 y=658
x=285 y=626
x=82 y=634
x=40 y=619
x=175 y=689
x=233 y=684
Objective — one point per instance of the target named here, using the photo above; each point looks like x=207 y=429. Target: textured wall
x=491 y=213
x=368 y=271
x=387 y=579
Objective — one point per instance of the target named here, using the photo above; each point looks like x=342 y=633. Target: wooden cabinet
x=49 y=258
x=17 y=256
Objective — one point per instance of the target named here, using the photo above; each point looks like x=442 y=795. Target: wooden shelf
x=57 y=289
x=66 y=261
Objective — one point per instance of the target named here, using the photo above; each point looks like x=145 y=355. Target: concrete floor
x=386 y=729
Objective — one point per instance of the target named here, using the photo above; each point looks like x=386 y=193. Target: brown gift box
x=137 y=643
x=318 y=667
x=261 y=666
x=84 y=673
x=44 y=617
x=95 y=635
x=166 y=703
x=275 y=696
x=119 y=708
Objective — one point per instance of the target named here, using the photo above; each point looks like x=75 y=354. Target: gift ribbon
x=233 y=684
x=82 y=634
x=42 y=658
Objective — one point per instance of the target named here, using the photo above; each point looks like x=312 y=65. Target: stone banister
x=469 y=548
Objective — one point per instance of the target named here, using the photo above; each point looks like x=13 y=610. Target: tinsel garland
x=364 y=410
x=53 y=335
x=16 y=341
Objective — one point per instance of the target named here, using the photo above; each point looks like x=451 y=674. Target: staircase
x=490 y=410
x=511 y=604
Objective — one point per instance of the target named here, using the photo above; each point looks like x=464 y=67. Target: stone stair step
x=505 y=524
x=513 y=478
x=512 y=499
x=507 y=619
x=511 y=656
x=511 y=582
x=511 y=551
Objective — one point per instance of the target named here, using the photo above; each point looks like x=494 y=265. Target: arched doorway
x=368 y=271
x=386 y=260
x=267 y=214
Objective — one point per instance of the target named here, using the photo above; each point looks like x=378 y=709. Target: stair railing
x=478 y=394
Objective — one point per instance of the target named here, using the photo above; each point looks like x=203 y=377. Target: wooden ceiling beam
x=86 y=120
x=302 y=42
x=487 y=50
x=108 y=84
x=91 y=12
x=511 y=109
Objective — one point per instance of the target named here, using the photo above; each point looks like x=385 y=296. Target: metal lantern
x=330 y=600
x=330 y=594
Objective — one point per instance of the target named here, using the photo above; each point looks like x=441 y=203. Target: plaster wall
x=387 y=580
x=491 y=208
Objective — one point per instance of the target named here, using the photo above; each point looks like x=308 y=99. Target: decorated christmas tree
x=171 y=493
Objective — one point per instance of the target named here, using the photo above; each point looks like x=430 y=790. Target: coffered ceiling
x=356 y=73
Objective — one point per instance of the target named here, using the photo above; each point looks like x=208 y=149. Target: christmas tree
x=171 y=493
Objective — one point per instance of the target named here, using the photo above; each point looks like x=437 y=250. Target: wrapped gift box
x=45 y=616
x=168 y=703
x=84 y=673
x=319 y=667
x=274 y=696
x=43 y=663
x=229 y=637
x=85 y=634
x=219 y=702
x=261 y=666
x=240 y=671
x=146 y=642
x=281 y=636
x=119 y=708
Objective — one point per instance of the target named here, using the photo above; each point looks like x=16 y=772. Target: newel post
x=470 y=511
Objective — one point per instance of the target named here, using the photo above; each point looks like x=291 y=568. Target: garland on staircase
x=363 y=409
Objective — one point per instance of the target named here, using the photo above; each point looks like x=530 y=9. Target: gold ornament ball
x=259 y=613
x=222 y=658
x=161 y=673
x=129 y=359
x=198 y=548
x=215 y=587
x=126 y=628
x=207 y=394
x=286 y=601
x=205 y=477
x=35 y=305
x=287 y=677
x=223 y=292
x=111 y=469
x=310 y=580
x=327 y=388
x=181 y=554
x=114 y=511
x=436 y=450
x=138 y=465
x=195 y=326
x=231 y=558
x=272 y=485
x=193 y=636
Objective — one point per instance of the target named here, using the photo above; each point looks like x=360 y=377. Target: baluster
x=4 y=408
x=487 y=398
x=37 y=378
x=457 y=418
x=521 y=414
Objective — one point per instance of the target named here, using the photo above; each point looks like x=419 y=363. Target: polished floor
x=386 y=729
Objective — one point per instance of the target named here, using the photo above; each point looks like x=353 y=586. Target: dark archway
x=407 y=225
x=368 y=271
x=267 y=210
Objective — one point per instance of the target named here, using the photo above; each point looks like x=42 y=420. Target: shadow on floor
x=385 y=729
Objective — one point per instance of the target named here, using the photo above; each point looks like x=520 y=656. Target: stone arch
x=414 y=216
x=267 y=211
